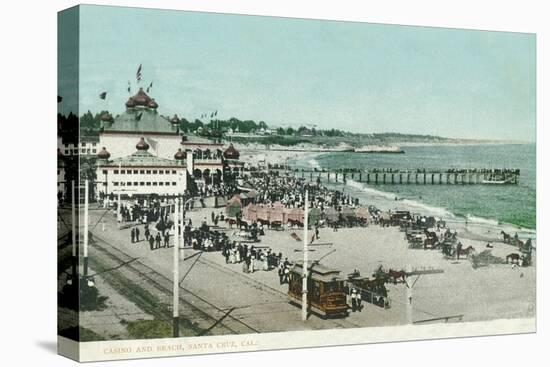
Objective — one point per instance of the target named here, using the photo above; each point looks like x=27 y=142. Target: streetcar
x=326 y=295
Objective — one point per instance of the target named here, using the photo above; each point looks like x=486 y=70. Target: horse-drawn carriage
x=372 y=290
x=400 y=217
x=326 y=295
x=415 y=237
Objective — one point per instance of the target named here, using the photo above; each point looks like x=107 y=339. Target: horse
x=241 y=224
x=513 y=258
x=506 y=237
x=466 y=251
x=397 y=274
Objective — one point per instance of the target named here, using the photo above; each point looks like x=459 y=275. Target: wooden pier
x=412 y=177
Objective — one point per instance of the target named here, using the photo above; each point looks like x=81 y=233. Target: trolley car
x=325 y=286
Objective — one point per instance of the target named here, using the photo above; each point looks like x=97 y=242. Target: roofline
x=155 y=166
x=117 y=132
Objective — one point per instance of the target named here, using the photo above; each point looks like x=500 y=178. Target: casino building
x=164 y=161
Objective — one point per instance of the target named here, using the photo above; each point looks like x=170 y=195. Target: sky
x=358 y=77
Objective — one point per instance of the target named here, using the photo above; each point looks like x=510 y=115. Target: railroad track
x=211 y=318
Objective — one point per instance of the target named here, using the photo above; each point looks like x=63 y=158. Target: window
x=115 y=172
x=168 y=184
x=161 y=183
x=148 y=171
x=75 y=151
x=173 y=172
x=87 y=151
x=154 y=171
x=142 y=183
x=94 y=144
x=83 y=151
x=128 y=183
x=154 y=184
x=122 y=172
x=104 y=171
x=136 y=184
x=161 y=172
x=148 y=183
x=115 y=183
x=94 y=151
x=135 y=172
x=66 y=151
x=173 y=184
x=141 y=172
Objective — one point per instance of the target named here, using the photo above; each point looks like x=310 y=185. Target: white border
x=28 y=156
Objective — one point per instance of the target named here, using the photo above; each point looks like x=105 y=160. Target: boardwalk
x=416 y=176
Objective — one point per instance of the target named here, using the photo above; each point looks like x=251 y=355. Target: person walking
x=147 y=233
x=157 y=240
x=359 y=307
x=166 y=240
x=137 y=234
x=281 y=271
x=133 y=235
x=151 y=243
x=458 y=249
x=353 y=300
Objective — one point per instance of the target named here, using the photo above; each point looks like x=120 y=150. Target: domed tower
x=141 y=100
x=142 y=145
x=179 y=156
x=103 y=155
x=231 y=153
x=175 y=120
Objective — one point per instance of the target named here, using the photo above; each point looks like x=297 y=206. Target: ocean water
x=491 y=204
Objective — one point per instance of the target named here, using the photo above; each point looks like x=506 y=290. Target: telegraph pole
x=85 y=272
x=304 y=274
x=409 y=284
x=175 y=307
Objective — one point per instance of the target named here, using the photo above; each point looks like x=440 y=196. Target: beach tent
x=314 y=216
x=348 y=212
x=262 y=213
x=233 y=207
x=362 y=213
x=295 y=215
x=331 y=214
x=249 y=212
x=277 y=213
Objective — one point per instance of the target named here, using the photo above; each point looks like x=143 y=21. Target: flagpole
x=304 y=272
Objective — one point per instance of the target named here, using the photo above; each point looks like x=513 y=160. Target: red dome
x=103 y=154
x=175 y=119
x=180 y=155
x=231 y=152
x=142 y=145
x=130 y=103
x=141 y=99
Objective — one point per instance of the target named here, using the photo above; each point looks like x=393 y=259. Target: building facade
x=141 y=173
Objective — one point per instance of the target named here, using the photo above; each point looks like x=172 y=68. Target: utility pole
x=304 y=274
x=409 y=284
x=118 y=214
x=182 y=238
x=175 y=307
x=85 y=272
x=73 y=234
